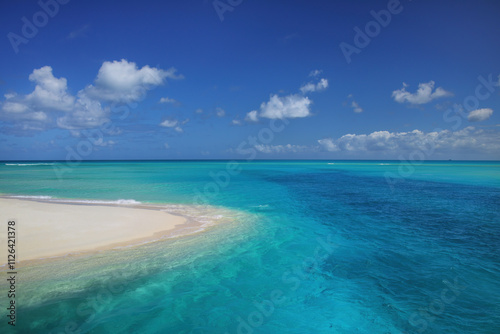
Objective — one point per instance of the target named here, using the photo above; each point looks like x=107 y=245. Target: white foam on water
x=31 y=197
x=89 y=201
x=78 y=201
x=37 y=164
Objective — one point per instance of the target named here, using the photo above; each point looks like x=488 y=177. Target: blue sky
x=244 y=79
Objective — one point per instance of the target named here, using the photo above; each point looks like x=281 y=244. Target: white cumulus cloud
x=50 y=104
x=425 y=94
x=15 y=107
x=252 y=116
x=50 y=95
x=311 y=87
x=479 y=115
x=123 y=81
x=329 y=144
x=86 y=113
x=291 y=106
x=50 y=92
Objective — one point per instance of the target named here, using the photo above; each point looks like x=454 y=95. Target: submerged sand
x=46 y=230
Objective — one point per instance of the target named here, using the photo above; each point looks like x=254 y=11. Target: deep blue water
x=310 y=247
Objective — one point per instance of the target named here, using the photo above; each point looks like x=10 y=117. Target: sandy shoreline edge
x=52 y=229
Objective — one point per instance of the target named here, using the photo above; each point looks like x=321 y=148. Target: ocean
x=288 y=247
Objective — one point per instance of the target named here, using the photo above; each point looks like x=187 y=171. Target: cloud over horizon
x=466 y=140
x=281 y=148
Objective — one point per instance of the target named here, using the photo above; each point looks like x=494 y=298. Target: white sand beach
x=52 y=229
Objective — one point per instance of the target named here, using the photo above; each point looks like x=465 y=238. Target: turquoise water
x=306 y=247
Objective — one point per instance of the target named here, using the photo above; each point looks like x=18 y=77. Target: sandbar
x=46 y=229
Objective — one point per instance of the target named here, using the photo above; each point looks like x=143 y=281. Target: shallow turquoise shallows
x=306 y=247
